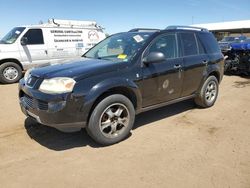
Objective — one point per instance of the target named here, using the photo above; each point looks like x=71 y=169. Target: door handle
x=177 y=66
x=46 y=52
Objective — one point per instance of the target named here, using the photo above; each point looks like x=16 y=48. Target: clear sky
x=118 y=16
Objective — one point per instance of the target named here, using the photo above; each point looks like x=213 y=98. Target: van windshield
x=120 y=47
x=11 y=36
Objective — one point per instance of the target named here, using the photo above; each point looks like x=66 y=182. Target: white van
x=30 y=46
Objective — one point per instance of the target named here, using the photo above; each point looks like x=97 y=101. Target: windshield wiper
x=91 y=57
x=88 y=57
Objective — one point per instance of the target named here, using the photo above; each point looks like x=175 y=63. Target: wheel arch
x=107 y=88
x=127 y=92
x=212 y=72
x=216 y=74
x=2 y=61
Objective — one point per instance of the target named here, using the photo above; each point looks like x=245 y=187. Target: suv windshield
x=11 y=36
x=119 y=47
x=228 y=39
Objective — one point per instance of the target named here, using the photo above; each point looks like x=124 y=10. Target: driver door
x=33 y=51
x=162 y=81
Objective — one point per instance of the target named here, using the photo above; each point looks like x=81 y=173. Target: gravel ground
x=175 y=146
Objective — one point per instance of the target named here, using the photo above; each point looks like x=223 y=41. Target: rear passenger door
x=195 y=62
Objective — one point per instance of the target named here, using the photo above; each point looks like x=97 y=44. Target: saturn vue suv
x=124 y=75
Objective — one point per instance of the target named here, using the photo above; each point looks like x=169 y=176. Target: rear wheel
x=208 y=93
x=111 y=120
x=10 y=73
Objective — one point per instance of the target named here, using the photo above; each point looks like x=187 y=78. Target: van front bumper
x=63 y=111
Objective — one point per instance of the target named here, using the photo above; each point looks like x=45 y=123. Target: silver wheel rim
x=211 y=92
x=114 y=120
x=10 y=73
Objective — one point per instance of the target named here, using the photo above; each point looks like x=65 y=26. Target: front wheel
x=111 y=120
x=208 y=93
x=10 y=73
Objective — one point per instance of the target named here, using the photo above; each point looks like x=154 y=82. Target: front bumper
x=62 y=111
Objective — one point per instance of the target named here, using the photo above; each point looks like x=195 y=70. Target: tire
x=10 y=73
x=111 y=120
x=208 y=93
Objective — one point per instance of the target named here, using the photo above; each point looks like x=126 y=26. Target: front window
x=165 y=44
x=34 y=37
x=118 y=48
x=11 y=37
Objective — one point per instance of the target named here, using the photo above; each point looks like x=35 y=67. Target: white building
x=221 y=29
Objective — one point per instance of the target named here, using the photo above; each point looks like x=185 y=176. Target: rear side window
x=34 y=36
x=209 y=42
x=189 y=44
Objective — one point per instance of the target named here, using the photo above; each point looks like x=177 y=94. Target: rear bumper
x=63 y=112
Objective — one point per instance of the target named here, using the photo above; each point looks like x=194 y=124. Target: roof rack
x=74 y=24
x=187 y=28
x=144 y=30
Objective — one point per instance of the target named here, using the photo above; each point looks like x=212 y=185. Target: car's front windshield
x=119 y=47
x=242 y=38
x=228 y=39
x=247 y=41
x=11 y=36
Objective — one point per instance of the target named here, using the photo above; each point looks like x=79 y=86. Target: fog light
x=56 y=106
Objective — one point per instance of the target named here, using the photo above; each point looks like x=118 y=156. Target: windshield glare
x=119 y=47
x=12 y=35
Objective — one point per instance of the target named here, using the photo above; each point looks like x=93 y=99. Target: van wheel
x=10 y=73
x=208 y=93
x=111 y=120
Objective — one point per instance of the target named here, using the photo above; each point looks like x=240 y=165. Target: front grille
x=34 y=103
x=28 y=101
x=42 y=105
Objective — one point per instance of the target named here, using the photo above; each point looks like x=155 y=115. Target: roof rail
x=143 y=30
x=187 y=28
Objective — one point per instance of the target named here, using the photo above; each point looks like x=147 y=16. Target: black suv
x=125 y=74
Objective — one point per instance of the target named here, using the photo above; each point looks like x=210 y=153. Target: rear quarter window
x=209 y=42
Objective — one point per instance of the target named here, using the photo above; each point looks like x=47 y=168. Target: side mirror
x=24 y=41
x=154 y=57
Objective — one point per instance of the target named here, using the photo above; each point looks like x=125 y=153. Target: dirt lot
x=175 y=146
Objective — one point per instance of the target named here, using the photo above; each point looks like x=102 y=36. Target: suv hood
x=77 y=69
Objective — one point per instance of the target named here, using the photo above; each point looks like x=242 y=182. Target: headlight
x=27 y=73
x=57 y=85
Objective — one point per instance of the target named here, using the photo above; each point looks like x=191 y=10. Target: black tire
x=208 y=93
x=14 y=75
x=105 y=119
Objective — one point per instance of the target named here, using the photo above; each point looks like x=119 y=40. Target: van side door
x=33 y=50
x=162 y=81
x=195 y=62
